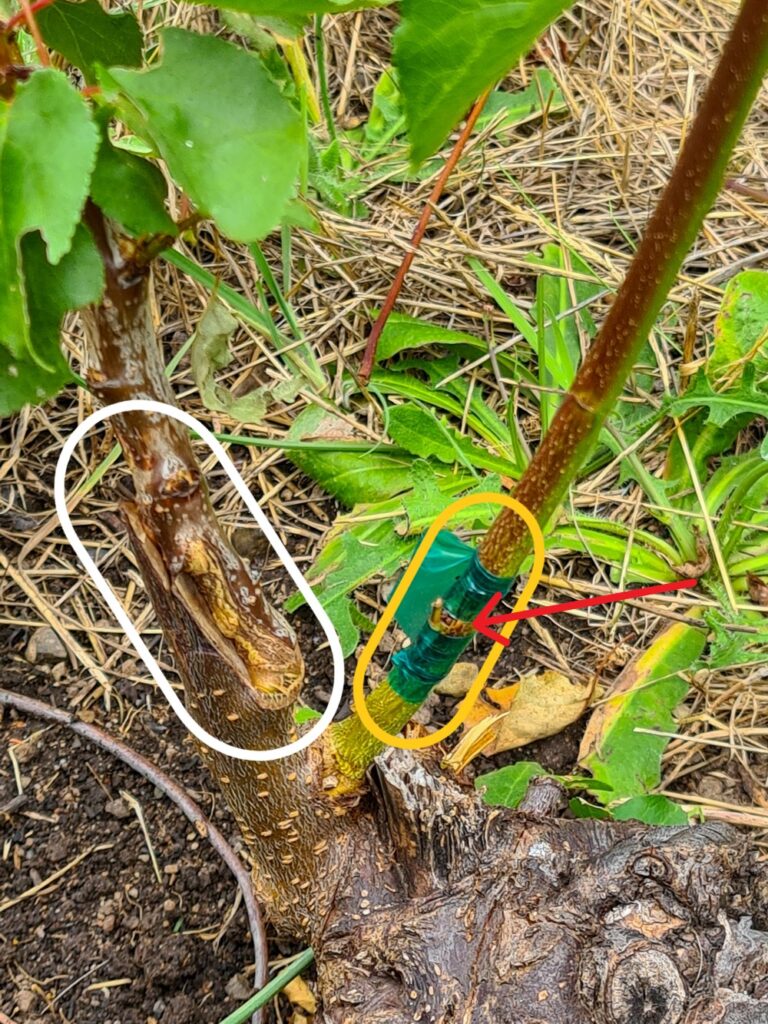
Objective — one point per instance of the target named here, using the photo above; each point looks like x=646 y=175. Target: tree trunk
x=423 y=904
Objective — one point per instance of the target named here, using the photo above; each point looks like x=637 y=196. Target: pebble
x=25 y=1000
x=117 y=808
x=238 y=988
x=45 y=644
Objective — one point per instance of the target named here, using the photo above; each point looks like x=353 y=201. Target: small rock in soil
x=45 y=644
x=117 y=808
x=238 y=988
x=25 y=1000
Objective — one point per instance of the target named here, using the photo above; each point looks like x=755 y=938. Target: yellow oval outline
x=358 y=683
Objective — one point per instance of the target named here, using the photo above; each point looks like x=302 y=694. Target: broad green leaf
x=210 y=353
x=581 y=808
x=76 y=280
x=48 y=150
x=235 y=146
x=352 y=477
x=507 y=786
x=643 y=697
x=407 y=332
x=131 y=191
x=351 y=559
x=447 y=54
x=420 y=432
x=85 y=35
x=386 y=118
x=653 y=810
x=541 y=95
x=742 y=325
x=723 y=406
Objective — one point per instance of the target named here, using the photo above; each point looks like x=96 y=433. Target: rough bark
x=455 y=912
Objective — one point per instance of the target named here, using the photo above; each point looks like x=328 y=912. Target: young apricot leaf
x=76 y=280
x=447 y=54
x=235 y=146
x=84 y=34
x=48 y=150
x=131 y=191
x=653 y=810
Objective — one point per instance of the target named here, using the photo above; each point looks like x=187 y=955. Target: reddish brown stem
x=691 y=190
x=27 y=10
x=369 y=358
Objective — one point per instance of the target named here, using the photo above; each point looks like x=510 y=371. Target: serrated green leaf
x=644 y=697
x=447 y=54
x=76 y=280
x=349 y=560
x=581 y=808
x=352 y=477
x=422 y=433
x=48 y=150
x=131 y=191
x=743 y=397
x=653 y=810
x=235 y=146
x=84 y=34
x=741 y=325
x=507 y=786
x=730 y=647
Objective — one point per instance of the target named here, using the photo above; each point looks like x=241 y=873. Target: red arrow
x=485 y=619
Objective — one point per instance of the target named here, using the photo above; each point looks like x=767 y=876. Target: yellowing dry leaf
x=301 y=995
x=539 y=704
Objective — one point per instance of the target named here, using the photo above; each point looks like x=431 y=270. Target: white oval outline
x=59 y=493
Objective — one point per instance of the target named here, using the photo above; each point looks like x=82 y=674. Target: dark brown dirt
x=106 y=943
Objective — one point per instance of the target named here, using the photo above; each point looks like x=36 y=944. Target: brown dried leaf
x=540 y=704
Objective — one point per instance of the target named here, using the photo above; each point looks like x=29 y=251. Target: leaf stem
x=27 y=12
x=369 y=357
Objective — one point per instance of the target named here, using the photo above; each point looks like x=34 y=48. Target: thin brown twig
x=27 y=14
x=205 y=828
x=369 y=357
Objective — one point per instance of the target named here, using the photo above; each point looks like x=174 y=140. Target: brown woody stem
x=237 y=658
x=369 y=357
x=172 y=498
x=670 y=233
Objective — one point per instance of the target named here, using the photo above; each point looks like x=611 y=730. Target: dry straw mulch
x=588 y=179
